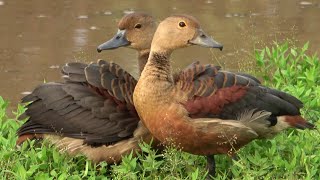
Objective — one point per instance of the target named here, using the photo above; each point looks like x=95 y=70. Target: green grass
x=290 y=155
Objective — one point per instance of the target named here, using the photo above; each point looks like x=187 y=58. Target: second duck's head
x=180 y=31
x=134 y=31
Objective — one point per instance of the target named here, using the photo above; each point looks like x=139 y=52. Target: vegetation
x=290 y=155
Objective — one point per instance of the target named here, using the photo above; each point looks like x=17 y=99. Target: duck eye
x=182 y=24
x=138 y=26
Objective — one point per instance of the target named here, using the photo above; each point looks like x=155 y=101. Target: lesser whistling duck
x=184 y=111
x=92 y=112
x=135 y=31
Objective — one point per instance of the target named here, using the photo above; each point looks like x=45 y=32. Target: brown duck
x=92 y=112
x=211 y=111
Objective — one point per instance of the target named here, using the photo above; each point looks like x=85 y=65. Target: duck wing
x=222 y=94
x=94 y=103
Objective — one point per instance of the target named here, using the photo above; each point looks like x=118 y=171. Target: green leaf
x=293 y=52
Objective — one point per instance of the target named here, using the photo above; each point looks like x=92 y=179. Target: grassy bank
x=290 y=155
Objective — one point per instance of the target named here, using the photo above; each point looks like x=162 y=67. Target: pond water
x=37 y=37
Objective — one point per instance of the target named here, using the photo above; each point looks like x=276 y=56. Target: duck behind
x=91 y=112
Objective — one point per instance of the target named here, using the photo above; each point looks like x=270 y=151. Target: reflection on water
x=38 y=37
x=80 y=38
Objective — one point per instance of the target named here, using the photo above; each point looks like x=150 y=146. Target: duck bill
x=202 y=39
x=119 y=40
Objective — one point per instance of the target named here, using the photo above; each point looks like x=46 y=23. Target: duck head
x=134 y=31
x=181 y=31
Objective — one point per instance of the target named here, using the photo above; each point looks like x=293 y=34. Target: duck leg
x=211 y=166
x=235 y=157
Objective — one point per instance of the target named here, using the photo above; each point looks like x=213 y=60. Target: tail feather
x=297 y=122
x=257 y=121
x=254 y=116
x=285 y=122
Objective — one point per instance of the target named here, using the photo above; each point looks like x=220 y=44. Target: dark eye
x=182 y=24
x=138 y=26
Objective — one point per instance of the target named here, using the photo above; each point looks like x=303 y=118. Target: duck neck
x=143 y=59
x=158 y=66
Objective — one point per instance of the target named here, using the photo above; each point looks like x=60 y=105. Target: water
x=37 y=37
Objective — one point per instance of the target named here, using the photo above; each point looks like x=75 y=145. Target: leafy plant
x=291 y=69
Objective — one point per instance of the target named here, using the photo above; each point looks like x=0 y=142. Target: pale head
x=134 y=31
x=180 y=31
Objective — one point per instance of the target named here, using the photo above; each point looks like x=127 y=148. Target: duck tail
x=284 y=122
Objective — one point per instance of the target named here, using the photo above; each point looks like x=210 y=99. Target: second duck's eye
x=182 y=24
x=138 y=26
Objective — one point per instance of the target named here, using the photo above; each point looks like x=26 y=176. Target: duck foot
x=211 y=166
